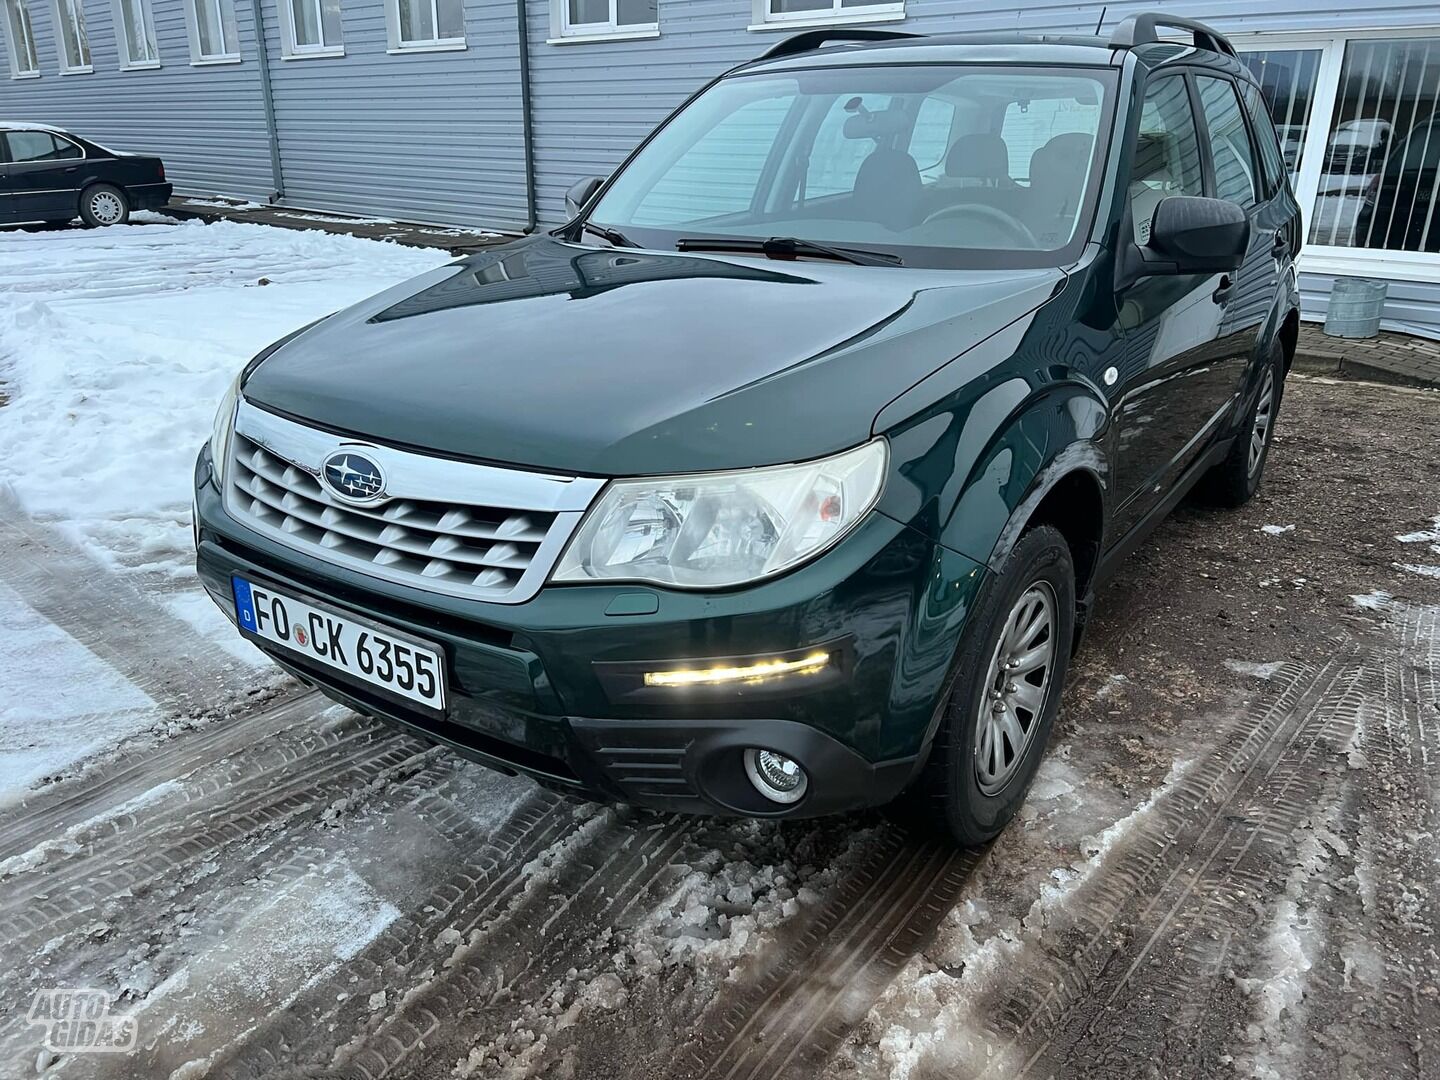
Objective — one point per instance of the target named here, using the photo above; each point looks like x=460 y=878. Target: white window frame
x=122 y=37
x=231 y=55
x=765 y=17
x=439 y=44
x=59 y=10
x=563 y=33
x=13 y=45
x=291 y=49
x=1327 y=258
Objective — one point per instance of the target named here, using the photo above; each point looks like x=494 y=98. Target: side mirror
x=579 y=193
x=1190 y=235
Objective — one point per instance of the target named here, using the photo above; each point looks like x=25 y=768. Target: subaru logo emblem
x=354 y=477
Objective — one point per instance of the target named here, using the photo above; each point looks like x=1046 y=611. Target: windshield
x=943 y=165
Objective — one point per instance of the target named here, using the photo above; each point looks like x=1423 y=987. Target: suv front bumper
x=540 y=688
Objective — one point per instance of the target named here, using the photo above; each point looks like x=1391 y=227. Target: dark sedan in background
x=51 y=175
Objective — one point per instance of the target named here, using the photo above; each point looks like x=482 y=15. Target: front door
x=43 y=175
x=1172 y=381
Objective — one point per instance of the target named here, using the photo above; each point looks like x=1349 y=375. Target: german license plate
x=372 y=654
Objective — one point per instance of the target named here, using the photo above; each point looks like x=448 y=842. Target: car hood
x=615 y=362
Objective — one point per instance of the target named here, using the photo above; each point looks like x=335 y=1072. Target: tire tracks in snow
x=788 y=1018
x=1153 y=935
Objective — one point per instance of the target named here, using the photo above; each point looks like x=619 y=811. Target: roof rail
x=1140 y=30
x=813 y=39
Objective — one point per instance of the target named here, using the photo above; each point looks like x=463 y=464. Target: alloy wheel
x=106 y=207
x=1264 y=417
x=1016 y=687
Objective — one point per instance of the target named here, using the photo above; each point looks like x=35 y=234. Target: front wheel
x=1011 y=669
x=104 y=204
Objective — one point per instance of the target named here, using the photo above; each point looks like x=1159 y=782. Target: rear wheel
x=1012 y=663
x=104 y=204
x=1236 y=479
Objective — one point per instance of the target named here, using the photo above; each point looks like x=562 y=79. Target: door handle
x=1222 y=292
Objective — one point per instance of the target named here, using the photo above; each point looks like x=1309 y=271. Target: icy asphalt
x=1227 y=867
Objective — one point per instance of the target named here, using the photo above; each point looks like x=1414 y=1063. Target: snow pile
x=1375 y=601
x=1429 y=536
x=74 y=839
x=1277 y=530
x=117 y=344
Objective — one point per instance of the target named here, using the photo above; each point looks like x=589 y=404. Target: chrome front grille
x=445 y=526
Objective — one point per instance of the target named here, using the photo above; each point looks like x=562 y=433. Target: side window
x=835 y=158
x=930 y=138
x=719 y=172
x=1167 y=152
x=1272 y=161
x=39 y=146
x=1235 y=172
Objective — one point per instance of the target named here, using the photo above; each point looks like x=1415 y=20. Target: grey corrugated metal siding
x=206 y=122
x=431 y=136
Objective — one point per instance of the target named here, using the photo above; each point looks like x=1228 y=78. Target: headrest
x=979 y=155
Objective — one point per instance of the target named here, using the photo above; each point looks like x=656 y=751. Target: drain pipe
x=267 y=99
x=532 y=217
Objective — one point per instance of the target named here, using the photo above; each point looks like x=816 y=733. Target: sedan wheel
x=1016 y=687
x=104 y=205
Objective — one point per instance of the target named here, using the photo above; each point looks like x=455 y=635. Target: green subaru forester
x=779 y=480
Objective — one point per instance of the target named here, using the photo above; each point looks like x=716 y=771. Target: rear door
x=1239 y=178
x=44 y=175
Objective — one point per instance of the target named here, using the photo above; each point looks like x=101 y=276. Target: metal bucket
x=1355 y=307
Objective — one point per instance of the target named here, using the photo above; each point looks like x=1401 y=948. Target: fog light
x=777 y=777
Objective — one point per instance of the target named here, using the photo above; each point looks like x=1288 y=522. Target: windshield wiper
x=788 y=247
x=615 y=237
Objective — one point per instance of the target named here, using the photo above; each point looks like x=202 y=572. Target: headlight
x=715 y=529
x=220 y=432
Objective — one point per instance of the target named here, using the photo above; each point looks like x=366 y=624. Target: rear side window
x=1272 y=161
x=1167 y=152
x=40 y=146
x=1235 y=172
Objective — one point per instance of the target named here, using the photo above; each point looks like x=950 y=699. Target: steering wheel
x=1014 y=226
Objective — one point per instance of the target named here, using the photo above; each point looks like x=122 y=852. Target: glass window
x=74 y=41
x=40 y=146
x=1230 y=150
x=1287 y=80
x=1272 y=164
x=1031 y=124
x=1167 y=152
x=1378 y=185
x=213 y=35
x=429 y=22
x=314 y=26
x=581 y=17
x=930 y=137
x=21 y=39
x=822 y=10
x=718 y=172
x=835 y=155
x=137 y=34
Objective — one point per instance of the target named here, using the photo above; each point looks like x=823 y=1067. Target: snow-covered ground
x=116 y=346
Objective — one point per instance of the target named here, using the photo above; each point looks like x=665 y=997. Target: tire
x=104 y=204
x=1235 y=480
x=973 y=799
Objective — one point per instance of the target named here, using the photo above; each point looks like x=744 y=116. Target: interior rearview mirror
x=579 y=193
x=1190 y=235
